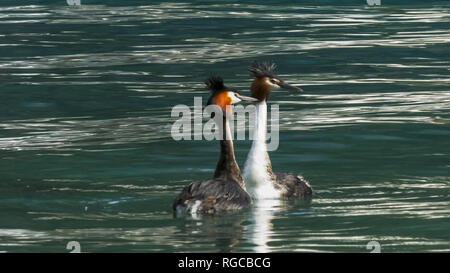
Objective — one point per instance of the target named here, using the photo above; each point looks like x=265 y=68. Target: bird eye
x=273 y=81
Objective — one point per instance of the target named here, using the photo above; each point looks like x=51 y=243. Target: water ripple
x=86 y=153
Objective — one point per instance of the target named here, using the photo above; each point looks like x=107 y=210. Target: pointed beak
x=245 y=98
x=289 y=87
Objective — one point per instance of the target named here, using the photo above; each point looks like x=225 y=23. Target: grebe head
x=223 y=96
x=266 y=80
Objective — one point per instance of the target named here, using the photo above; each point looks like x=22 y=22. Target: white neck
x=260 y=131
x=257 y=170
x=225 y=125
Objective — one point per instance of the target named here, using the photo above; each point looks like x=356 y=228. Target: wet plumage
x=292 y=186
x=211 y=196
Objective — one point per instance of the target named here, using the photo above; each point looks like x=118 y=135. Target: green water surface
x=86 y=152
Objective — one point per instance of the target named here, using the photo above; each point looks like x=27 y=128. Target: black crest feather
x=261 y=70
x=215 y=83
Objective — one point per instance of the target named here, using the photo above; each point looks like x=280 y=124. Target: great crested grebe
x=226 y=190
x=261 y=181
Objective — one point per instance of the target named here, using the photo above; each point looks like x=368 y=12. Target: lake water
x=86 y=153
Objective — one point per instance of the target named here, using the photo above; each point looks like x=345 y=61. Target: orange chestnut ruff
x=222 y=100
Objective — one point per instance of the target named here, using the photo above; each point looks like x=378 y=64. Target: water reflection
x=209 y=49
x=332 y=221
x=219 y=232
x=79 y=133
x=261 y=230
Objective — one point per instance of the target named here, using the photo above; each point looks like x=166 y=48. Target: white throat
x=257 y=169
x=225 y=126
